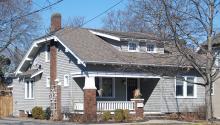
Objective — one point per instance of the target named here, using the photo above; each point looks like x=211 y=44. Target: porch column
x=139 y=108
x=89 y=99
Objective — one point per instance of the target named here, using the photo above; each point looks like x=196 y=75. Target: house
x=216 y=85
x=87 y=70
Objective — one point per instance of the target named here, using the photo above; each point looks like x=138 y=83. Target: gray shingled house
x=87 y=70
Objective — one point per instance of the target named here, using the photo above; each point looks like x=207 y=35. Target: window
x=212 y=89
x=150 y=48
x=179 y=86
x=66 y=80
x=29 y=90
x=47 y=81
x=190 y=86
x=47 y=53
x=185 y=87
x=105 y=87
x=132 y=46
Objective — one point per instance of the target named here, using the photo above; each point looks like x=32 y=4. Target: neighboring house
x=216 y=85
x=87 y=69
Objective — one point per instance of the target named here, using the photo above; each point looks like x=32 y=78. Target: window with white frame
x=133 y=46
x=185 y=87
x=212 y=89
x=47 y=81
x=66 y=80
x=105 y=87
x=150 y=47
x=47 y=53
x=29 y=90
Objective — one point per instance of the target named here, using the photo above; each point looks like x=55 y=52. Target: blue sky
x=72 y=8
x=84 y=8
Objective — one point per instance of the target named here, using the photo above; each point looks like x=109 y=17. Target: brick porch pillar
x=90 y=100
x=139 y=108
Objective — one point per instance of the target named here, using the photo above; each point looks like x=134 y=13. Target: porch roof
x=115 y=74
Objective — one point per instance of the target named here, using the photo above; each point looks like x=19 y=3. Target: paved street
x=16 y=121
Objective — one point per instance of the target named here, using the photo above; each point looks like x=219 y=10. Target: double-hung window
x=185 y=87
x=105 y=87
x=29 y=90
x=133 y=46
x=150 y=48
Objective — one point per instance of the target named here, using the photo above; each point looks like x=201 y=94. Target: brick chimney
x=55 y=22
x=55 y=25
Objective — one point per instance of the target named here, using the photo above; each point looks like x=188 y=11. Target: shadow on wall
x=147 y=87
x=80 y=82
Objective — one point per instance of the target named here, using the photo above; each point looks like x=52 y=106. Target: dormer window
x=133 y=46
x=150 y=48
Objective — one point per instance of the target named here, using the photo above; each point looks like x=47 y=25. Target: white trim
x=79 y=61
x=47 y=81
x=89 y=83
x=47 y=53
x=185 y=88
x=121 y=74
x=30 y=88
x=114 y=74
x=137 y=46
x=35 y=44
x=66 y=80
x=213 y=89
x=155 y=51
x=37 y=73
x=105 y=35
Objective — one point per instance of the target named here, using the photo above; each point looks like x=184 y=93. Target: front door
x=131 y=86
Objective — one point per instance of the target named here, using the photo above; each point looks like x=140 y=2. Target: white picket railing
x=112 y=105
x=107 y=105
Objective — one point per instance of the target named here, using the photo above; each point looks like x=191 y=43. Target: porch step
x=155 y=116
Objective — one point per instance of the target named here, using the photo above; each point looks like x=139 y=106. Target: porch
x=115 y=91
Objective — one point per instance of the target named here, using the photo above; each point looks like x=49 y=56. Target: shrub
x=126 y=114
x=106 y=116
x=37 y=112
x=47 y=113
x=119 y=115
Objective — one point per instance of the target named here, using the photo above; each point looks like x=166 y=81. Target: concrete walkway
x=17 y=121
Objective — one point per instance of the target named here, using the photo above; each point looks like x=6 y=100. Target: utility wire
x=33 y=12
x=102 y=13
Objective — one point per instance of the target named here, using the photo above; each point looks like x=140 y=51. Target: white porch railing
x=107 y=105
x=112 y=105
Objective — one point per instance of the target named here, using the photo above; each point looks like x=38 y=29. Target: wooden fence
x=6 y=106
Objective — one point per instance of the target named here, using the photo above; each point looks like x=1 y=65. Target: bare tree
x=125 y=20
x=189 y=22
x=16 y=30
x=77 y=21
